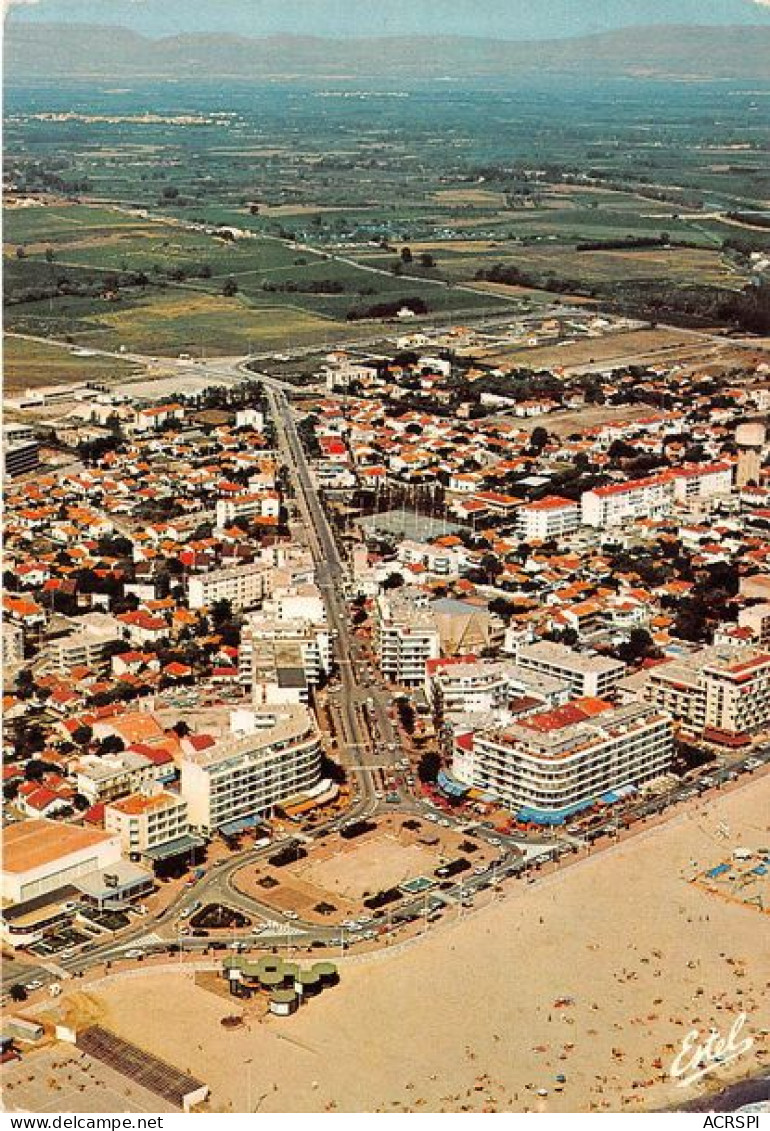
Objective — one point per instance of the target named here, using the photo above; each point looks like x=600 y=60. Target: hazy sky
x=510 y=19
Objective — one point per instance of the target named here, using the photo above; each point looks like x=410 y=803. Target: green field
x=28 y=365
x=192 y=322
x=478 y=177
x=286 y=294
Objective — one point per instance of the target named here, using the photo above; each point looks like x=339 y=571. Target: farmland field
x=338 y=202
x=629 y=344
x=189 y=321
x=29 y=364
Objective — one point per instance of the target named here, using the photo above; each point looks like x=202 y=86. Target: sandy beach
x=595 y=973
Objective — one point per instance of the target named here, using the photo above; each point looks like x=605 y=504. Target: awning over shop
x=551 y=816
x=232 y=828
x=617 y=794
x=171 y=848
x=451 y=786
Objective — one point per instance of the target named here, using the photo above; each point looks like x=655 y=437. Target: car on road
x=35 y=984
x=135 y=954
x=291 y=915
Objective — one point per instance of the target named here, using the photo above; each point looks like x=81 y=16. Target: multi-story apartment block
x=257 y=504
x=295 y=653
x=551 y=765
x=757 y=619
x=439 y=561
x=702 y=481
x=464 y=684
x=552 y=517
x=20 y=457
x=723 y=691
x=243 y=586
x=406 y=636
x=240 y=780
x=88 y=645
x=627 y=502
x=585 y=672
x=13 y=645
x=105 y=777
x=147 y=820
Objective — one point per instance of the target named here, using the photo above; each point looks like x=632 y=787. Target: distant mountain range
x=38 y=51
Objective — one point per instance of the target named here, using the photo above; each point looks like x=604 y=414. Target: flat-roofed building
x=235 y=782
x=243 y=586
x=21 y=451
x=87 y=645
x=552 y=517
x=757 y=619
x=457 y=685
x=40 y=856
x=586 y=672
x=146 y=820
x=13 y=645
x=20 y=459
x=406 y=636
x=292 y=654
x=722 y=690
x=627 y=502
x=111 y=888
x=549 y=766
x=108 y=776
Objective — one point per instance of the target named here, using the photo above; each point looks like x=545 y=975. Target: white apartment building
x=585 y=672
x=463 y=685
x=723 y=690
x=406 y=636
x=257 y=504
x=243 y=779
x=439 y=561
x=13 y=644
x=702 y=481
x=107 y=776
x=271 y=646
x=87 y=645
x=147 y=819
x=757 y=619
x=19 y=457
x=250 y=418
x=243 y=586
x=545 y=770
x=552 y=517
x=627 y=502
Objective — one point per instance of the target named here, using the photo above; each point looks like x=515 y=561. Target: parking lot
x=334 y=885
